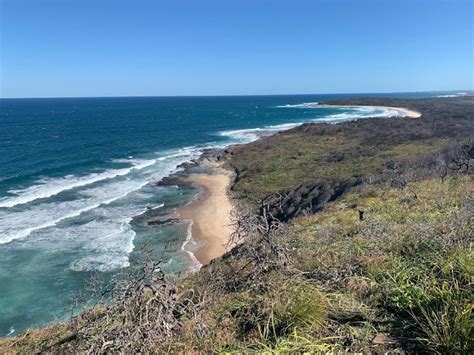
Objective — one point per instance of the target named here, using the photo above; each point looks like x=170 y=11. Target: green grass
x=409 y=260
x=299 y=158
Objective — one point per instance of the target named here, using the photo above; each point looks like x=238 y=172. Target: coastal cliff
x=350 y=237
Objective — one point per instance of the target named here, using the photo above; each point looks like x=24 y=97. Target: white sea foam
x=454 y=95
x=17 y=225
x=158 y=206
x=108 y=239
x=49 y=187
x=359 y=112
x=348 y=114
x=252 y=134
x=103 y=263
x=20 y=224
x=95 y=220
x=169 y=161
x=183 y=152
x=302 y=105
x=196 y=265
x=351 y=112
x=110 y=250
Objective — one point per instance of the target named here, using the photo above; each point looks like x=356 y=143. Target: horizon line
x=231 y=95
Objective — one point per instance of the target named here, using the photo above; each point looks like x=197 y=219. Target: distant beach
x=406 y=112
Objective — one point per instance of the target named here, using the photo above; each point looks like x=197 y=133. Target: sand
x=406 y=112
x=210 y=213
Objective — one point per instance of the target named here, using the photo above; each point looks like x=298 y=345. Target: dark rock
x=161 y=222
x=174 y=180
x=306 y=198
x=187 y=165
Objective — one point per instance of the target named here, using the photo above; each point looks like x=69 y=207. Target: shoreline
x=208 y=214
x=405 y=111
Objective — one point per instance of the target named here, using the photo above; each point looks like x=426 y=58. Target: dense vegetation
x=357 y=237
x=354 y=152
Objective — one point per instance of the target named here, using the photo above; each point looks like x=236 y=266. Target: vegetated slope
x=351 y=152
x=375 y=253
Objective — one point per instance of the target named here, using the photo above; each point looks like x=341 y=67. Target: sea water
x=78 y=184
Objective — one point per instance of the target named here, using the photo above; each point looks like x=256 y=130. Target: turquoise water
x=78 y=184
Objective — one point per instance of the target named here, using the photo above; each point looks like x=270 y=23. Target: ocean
x=78 y=184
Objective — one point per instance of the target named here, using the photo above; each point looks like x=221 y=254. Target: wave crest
x=302 y=105
x=459 y=94
x=49 y=187
x=252 y=134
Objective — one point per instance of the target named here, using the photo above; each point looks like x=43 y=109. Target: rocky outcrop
x=306 y=198
x=161 y=222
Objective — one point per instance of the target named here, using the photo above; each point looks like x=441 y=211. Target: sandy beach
x=406 y=112
x=210 y=213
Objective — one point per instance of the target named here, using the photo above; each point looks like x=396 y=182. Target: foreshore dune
x=210 y=213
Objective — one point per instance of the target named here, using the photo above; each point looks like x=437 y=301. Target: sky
x=64 y=48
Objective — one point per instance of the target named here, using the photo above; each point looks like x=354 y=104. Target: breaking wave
x=346 y=114
x=459 y=94
x=96 y=212
x=302 y=105
x=49 y=187
x=356 y=113
x=252 y=134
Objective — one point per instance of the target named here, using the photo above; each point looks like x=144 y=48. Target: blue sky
x=54 y=48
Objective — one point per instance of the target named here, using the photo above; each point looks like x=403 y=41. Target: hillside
x=333 y=157
x=355 y=237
